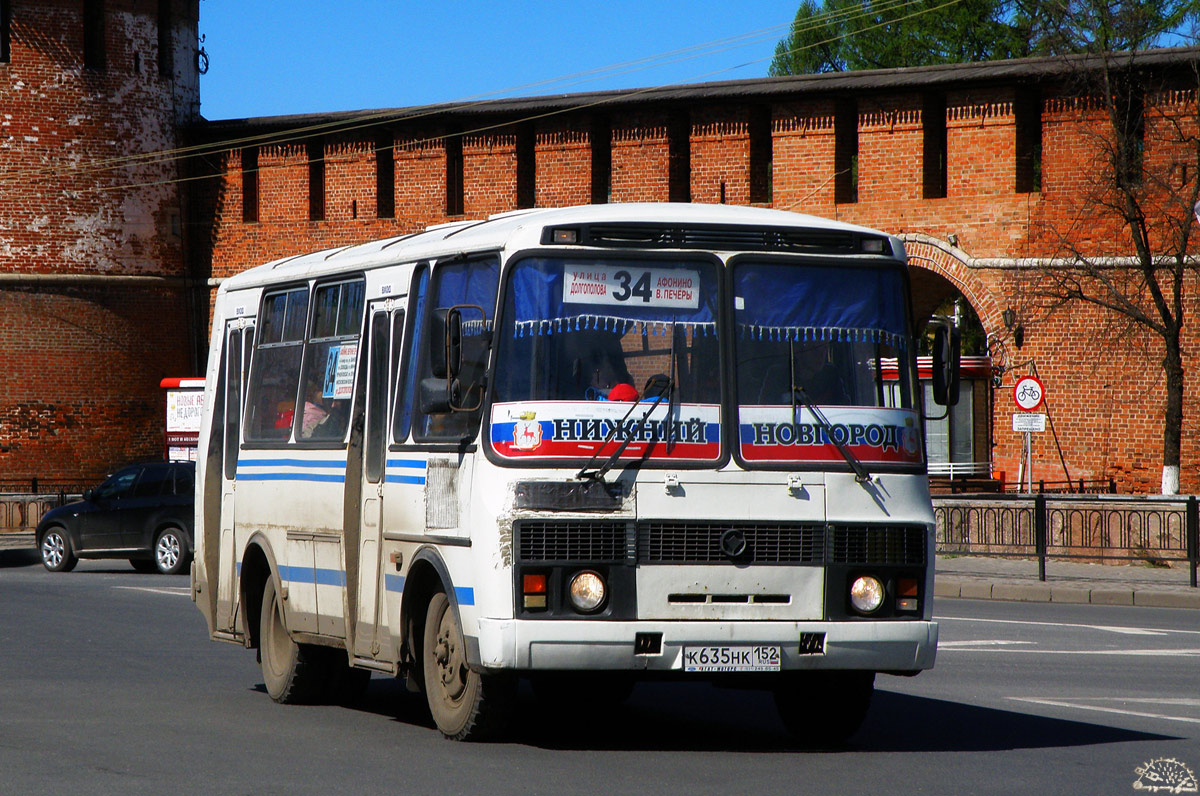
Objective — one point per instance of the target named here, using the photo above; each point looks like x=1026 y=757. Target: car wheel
x=55 y=547
x=170 y=552
x=293 y=673
x=143 y=564
x=465 y=704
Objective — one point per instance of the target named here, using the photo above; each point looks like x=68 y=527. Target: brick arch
x=953 y=265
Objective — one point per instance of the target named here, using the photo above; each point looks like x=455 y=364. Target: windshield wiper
x=664 y=386
x=671 y=378
x=861 y=474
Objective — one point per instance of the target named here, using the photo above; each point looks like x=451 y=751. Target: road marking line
x=1129 y=631
x=991 y=642
x=177 y=591
x=1139 y=713
x=989 y=646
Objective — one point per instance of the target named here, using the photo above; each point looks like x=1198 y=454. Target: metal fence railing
x=1071 y=526
x=20 y=512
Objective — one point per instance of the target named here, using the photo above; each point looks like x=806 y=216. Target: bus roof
x=639 y=225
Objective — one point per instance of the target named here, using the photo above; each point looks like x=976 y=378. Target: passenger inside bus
x=314 y=410
x=609 y=380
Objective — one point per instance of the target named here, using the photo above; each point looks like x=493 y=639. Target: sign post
x=1028 y=393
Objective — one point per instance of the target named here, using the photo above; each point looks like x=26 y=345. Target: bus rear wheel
x=293 y=673
x=824 y=708
x=465 y=704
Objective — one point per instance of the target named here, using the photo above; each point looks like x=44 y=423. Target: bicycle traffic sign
x=1028 y=393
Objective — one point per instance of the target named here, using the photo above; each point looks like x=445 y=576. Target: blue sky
x=335 y=56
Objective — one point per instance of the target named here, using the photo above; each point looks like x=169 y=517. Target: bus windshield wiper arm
x=671 y=396
x=664 y=387
x=861 y=474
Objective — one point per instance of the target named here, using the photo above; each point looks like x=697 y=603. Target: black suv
x=143 y=512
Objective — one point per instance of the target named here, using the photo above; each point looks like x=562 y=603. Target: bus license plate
x=762 y=658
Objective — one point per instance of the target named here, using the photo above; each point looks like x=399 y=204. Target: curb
x=1047 y=593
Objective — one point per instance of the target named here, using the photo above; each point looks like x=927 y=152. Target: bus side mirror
x=456 y=364
x=947 y=351
x=437 y=396
x=445 y=343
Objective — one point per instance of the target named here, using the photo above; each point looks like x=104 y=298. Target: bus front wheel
x=465 y=704
x=292 y=672
x=824 y=708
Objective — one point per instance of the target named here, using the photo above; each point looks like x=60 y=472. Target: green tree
x=847 y=35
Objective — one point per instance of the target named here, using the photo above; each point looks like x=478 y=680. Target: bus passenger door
x=239 y=336
x=385 y=330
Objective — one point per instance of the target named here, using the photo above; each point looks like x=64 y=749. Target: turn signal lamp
x=906 y=594
x=566 y=236
x=533 y=588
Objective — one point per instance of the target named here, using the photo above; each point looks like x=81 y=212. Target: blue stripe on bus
x=336 y=463
x=326 y=477
x=244 y=474
x=405 y=479
x=318 y=577
x=419 y=464
x=465 y=595
x=409 y=464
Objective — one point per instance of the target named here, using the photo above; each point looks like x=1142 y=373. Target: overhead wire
x=373 y=118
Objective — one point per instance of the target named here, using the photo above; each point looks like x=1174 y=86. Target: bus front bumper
x=906 y=646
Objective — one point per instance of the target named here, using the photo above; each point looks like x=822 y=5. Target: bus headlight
x=587 y=591
x=866 y=594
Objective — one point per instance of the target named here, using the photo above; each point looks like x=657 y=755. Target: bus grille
x=881 y=544
x=701 y=543
x=572 y=540
x=667 y=542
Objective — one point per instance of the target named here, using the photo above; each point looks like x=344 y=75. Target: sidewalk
x=980 y=578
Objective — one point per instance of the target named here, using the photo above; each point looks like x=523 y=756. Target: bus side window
x=233 y=396
x=330 y=361
x=402 y=422
x=473 y=282
x=275 y=370
x=380 y=377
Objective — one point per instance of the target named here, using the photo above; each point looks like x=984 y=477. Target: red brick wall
x=721 y=156
x=639 y=158
x=83 y=359
x=564 y=166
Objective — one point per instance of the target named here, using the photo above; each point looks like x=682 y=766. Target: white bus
x=582 y=446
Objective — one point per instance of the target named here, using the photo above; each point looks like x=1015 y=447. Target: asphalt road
x=108 y=685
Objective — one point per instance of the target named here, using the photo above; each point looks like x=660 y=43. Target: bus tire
x=293 y=673
x=465 y=704
x=56 y=550
x=823 y=708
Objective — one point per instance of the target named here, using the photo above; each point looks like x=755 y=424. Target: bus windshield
x=822 y=336
x=579 y=343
